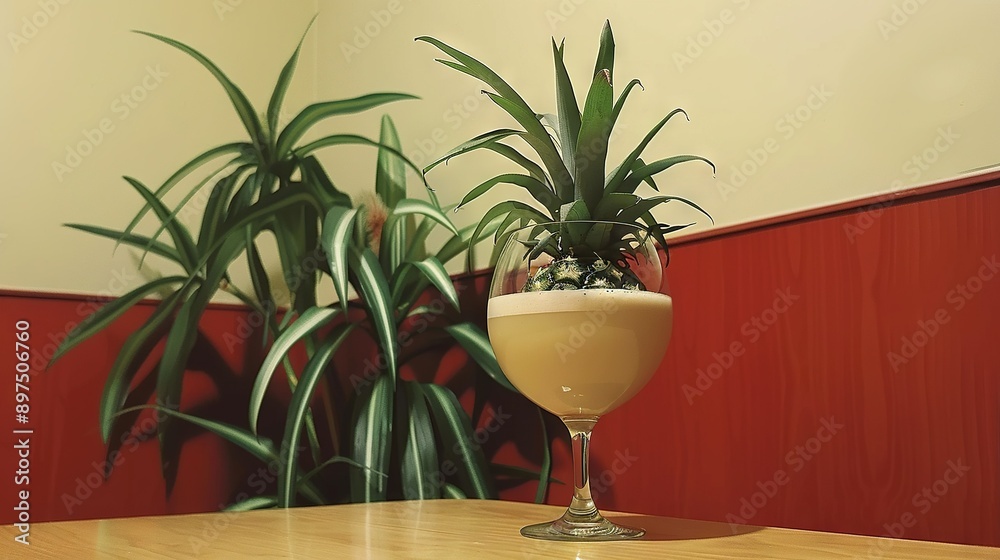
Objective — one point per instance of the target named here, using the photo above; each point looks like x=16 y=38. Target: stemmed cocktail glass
x=579 y=324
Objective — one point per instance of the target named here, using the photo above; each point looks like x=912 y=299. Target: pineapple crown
x=572 y=183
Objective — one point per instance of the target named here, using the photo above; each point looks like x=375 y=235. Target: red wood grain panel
x=66 y=451
x=864 y=393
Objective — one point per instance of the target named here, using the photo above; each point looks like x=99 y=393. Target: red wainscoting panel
x=838 y=372
x=66 y=453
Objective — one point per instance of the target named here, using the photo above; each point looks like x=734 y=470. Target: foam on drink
x=580 y=352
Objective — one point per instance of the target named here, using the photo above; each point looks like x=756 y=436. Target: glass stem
x=582 y=508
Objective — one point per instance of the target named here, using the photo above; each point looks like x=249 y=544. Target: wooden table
x=438 y=530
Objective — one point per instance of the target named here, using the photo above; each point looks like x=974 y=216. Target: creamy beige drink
x=580 y=352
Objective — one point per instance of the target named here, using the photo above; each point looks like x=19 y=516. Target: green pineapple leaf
x=592 y=145
x=606 y=54
x=569 y=111
x=483 y=140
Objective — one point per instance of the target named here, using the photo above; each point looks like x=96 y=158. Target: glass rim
x=559 y=223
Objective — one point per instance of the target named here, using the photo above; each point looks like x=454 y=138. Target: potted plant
x=273 y=182
x=400 y=431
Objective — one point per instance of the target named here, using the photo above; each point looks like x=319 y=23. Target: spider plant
x=272 y=182
x=399 y=430
x=269 y=182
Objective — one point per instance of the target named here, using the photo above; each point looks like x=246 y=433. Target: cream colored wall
x=800 y=104
x=851 y=98
x=71 y=70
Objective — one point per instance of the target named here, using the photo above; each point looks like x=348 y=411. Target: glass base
x=581 y=528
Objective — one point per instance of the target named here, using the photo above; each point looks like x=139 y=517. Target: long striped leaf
x=169 y=380
x=260 y=447
x=288 y=465
x=306 y=324
x=355 y=140
x=130 y=356
x=187 y=169
x=338 y=228
x=172 y=216
x=418 y=449
x=390 y=174
x=139 y=241
x=392 y=249
x=182 y=239
x=418 y=241
x=331 y=461
x=180 y=341
x=295 y=233
x=245 y=195
x=315 y=176
x=451 y=249
x=432 y=210
x=126 y=421
x=434 y=271
x=452 y=492
x=215 y=209
x=372 y=441
x=374 y=289
x=319 y=111
x=411 y=206
x=245 y=110
x=455 y=429
x=461 y=242
x=477 y=344
x=281 y=87
x=253 y=503
x=98 y=320
x=260 y=282
x=261 y=211
x=390 y=187
x=546 y=472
